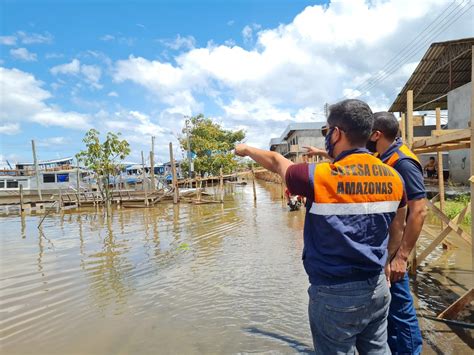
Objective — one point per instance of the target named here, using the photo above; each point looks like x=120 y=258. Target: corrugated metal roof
x=444 y=67
x=299 y=126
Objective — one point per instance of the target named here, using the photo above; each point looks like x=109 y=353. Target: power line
x=398 y=60
x=443 y=25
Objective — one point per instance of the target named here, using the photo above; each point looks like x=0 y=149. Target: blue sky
x=139 y=67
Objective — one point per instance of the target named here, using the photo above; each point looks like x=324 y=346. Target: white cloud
x=68 y=68
x=10 y=128
x=107 y=38
x=52 y=141
x=23 y=54
x=180 y=42
x=112 y=94
x=90 y=73
x=129 y=41
x=53 y=55
x=248 y=32
x=24 y=99
x=34 y=38
x=8 y=40
x=26 y=38
x=326 y=52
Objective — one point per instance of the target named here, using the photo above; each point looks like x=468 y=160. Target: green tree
x=211 y=144
x=103 y=158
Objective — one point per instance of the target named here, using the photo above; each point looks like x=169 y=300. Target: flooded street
x=175 y=279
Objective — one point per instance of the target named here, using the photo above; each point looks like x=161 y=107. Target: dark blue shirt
x=413 y=178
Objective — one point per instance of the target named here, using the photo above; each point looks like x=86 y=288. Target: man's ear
x=336 y=135
x=376 y=135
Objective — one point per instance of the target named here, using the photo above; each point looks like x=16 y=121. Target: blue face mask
x=327 y=142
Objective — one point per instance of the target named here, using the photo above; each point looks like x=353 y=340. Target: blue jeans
x=404 y=335
x=350 y=316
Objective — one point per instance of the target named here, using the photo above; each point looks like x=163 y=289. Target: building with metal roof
x=444 y=67
x=295 y=136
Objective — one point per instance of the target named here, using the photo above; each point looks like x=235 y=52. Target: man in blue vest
x=352 y=203
x=404 y=335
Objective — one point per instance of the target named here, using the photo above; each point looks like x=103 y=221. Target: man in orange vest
x=404 y=335
x=352 y=203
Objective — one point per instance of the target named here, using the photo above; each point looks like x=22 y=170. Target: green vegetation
x=103 y=158
x=453 y=207
x=211 y=146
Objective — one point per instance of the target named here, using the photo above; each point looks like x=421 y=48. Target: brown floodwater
x=180 y=279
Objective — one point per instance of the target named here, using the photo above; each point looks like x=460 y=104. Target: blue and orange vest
x=397 y=152
x=346 y=226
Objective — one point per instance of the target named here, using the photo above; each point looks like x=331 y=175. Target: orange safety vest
x=398 y=151
x=346 y=227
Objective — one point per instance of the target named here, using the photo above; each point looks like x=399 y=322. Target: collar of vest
x=397 y=143
x=351 y=151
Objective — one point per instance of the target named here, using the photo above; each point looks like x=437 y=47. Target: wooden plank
x=403 y=127
x=443 y=147
x=429 y=249
x=410 y=118
x=451 y=137
x=472 y=154
x=440 y=166
x=175 y=179
x=452 y=311
x=450 y=223
x=441 y=132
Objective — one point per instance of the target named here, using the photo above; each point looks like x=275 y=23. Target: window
x=62 y=177
x=12 y=184
x=48 y=178
x=2 y=184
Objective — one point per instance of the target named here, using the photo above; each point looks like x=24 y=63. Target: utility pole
x=36 y=170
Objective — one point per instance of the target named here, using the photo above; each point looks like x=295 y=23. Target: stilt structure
x=427 y=89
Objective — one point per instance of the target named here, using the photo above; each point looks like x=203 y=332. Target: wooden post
x=143 y=180
x=221 y=185
x=403 y=127
x=78 y=184
x=409 y=143
x=175 y=179
x=198 y=187
x=440 y=167
x=152 y=164
x=472 y=152
x=409 y=124
x=253 y=183
x=38 y=187
x=21 y=198
x=60 y=198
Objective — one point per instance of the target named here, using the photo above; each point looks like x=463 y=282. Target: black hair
x=355 y=118
x=387 y=123
x=432 y=158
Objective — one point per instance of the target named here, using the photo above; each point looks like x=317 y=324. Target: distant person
x=351 y=204
x=294 y=202
x=404 y=335
x=430 y=168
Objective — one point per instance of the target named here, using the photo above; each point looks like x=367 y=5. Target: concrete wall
x=459 y=111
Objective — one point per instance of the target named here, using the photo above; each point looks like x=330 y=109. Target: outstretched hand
x=241 y=150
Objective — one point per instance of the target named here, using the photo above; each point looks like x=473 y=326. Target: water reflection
x=220 y=278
